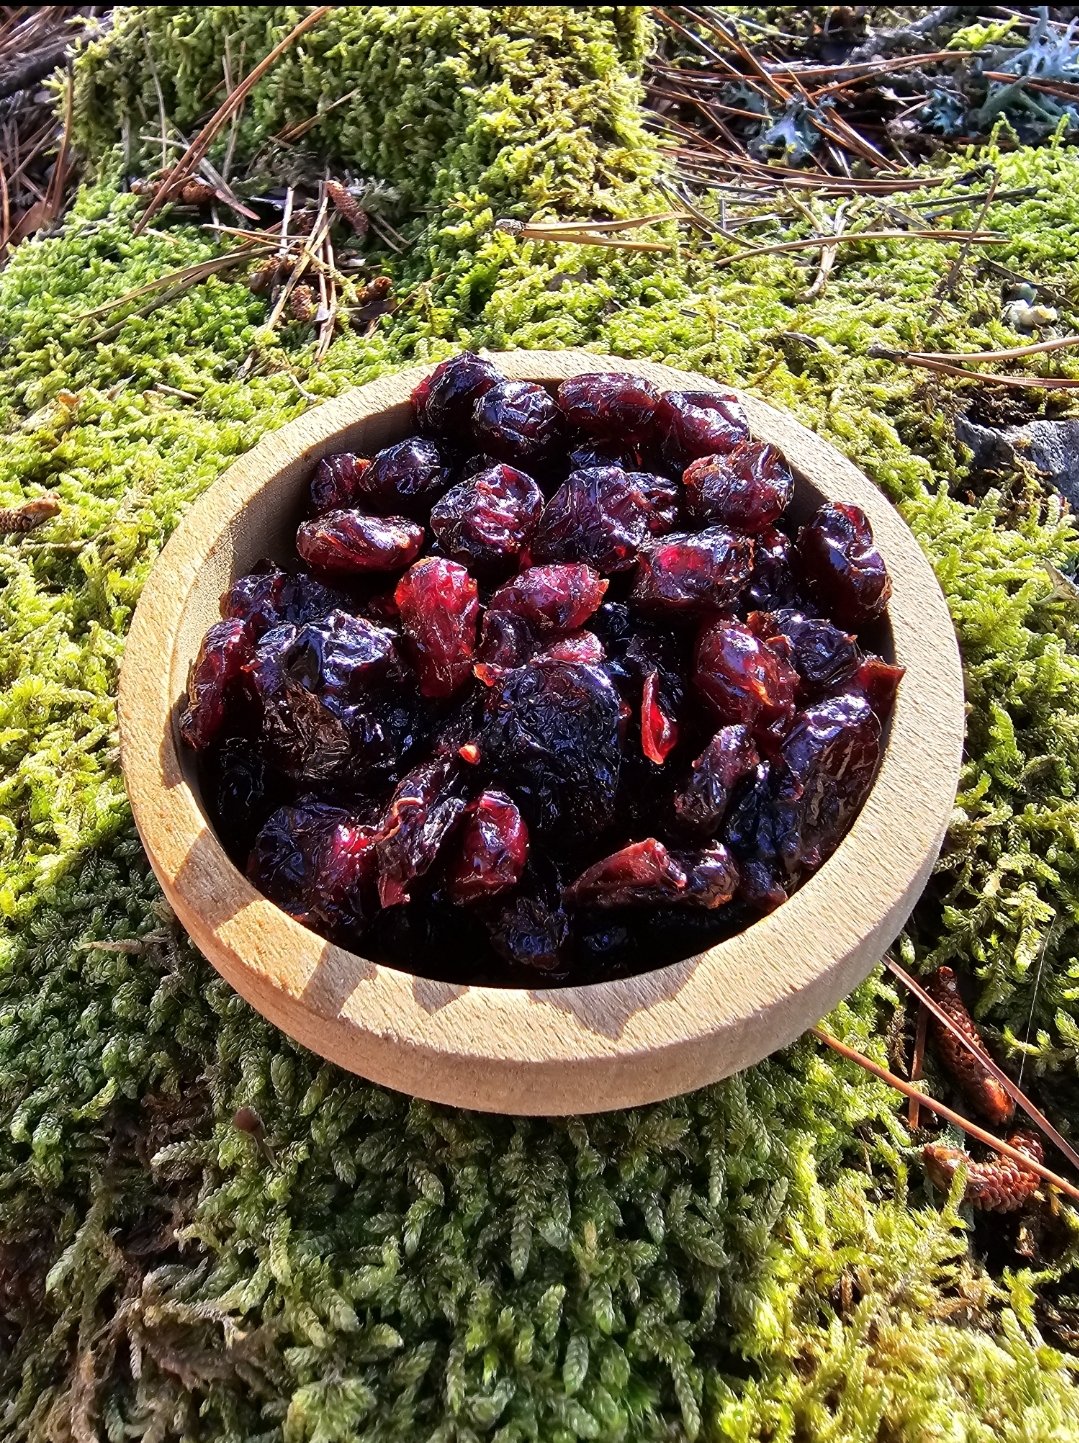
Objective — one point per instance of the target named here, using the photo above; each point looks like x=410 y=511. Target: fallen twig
x=944 y=368
x=232 y=102
x=971 y=1128
x=815 y=242
x=913 y=1105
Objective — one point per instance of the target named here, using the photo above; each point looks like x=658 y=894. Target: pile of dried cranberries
x=556 y=694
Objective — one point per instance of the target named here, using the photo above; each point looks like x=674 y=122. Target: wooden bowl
x=516 y=1050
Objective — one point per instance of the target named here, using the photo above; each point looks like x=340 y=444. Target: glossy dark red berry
x=350 y=543
x=486 y=520
x=317 y=862
x=403 y=479
x=335 y=484
x=646 y=874
x=550 y=600
x=699 y=423
x=878 y=681
x=748 y=488
x=742 y=677
x=839 y=564
x=491 y=849
x=701 y=805
x=552 y=739
x=692 y=573
x=270 y=597
x=443 y=402
x=771 y=583
x=821 y=654
x=226 y=649
x=602 y=517
x=519 y=422
x=609 y=407
x=424 y=808
x=439 y=610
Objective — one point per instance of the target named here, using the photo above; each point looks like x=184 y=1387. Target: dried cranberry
x=552 y=738
x=317 y=862
x=601 y=454
x=343 y=656
x=690 y=573
x=422 y=812
x=225 y=651
x=820 y=653
x=749 y=488
x=335 y=484
x=269 y=597
x=551 y=600
x=491 y=851
x=772 y=583
x=830 y=757
x=240 y=792
x=601 y=517
x=702 y=803
x=303 y=737
x=403 y=478
x=517 y=421
x=505 y=640
x=659 y=725
x=349 y=543
x=443 y=401
x=743 y=678
x=609 y=407
x=582 y=646
x=529 y=928
x=439 y=610
x=840 y=565
x=646 y=874
x=484 y=522
x=878 y=681
x=700 y=423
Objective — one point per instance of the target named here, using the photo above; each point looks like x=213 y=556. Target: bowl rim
x=592 y=1046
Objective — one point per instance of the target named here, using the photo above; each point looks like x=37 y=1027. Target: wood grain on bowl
x=557 y=1050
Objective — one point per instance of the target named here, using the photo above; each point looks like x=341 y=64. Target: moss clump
x=751 y=1262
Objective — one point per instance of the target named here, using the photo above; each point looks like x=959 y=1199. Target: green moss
x=751 y=1262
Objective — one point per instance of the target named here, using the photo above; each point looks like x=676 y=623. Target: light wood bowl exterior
x=541 y=1051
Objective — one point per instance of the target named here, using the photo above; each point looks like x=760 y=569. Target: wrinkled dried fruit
x=439 y=616
x=743 y=678
x=335 y=484
x=772 y=583
x=878 y=681
x=470 y=745
x=700 y=423
x=349 y=543
x=484 y=521
x=491 y=851
x=609 y=407
x=840 y=565
x=422 y=812
x=443 y=402
x=821 y=654
x=551 y=600
x=226 y=649
x=517 y=421
x=317 y=862
x=693 y=573
x=830 y=756
x=702 y=803
x=748 y=489
x=403 y=479
x=602 y=517
x=269 y=597
x=551 y=738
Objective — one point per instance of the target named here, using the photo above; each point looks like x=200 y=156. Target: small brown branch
x=947 y=284
x=827 y=255
x=232 y=102
x=54 y=197
x=1014 y=354
x=815 y=242
x=1014 y=1091
x=185 y=276
x=914 y=1103
x=944 y=368
x=971 y=1128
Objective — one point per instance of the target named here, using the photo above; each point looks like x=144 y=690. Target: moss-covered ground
x=762 y=1260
